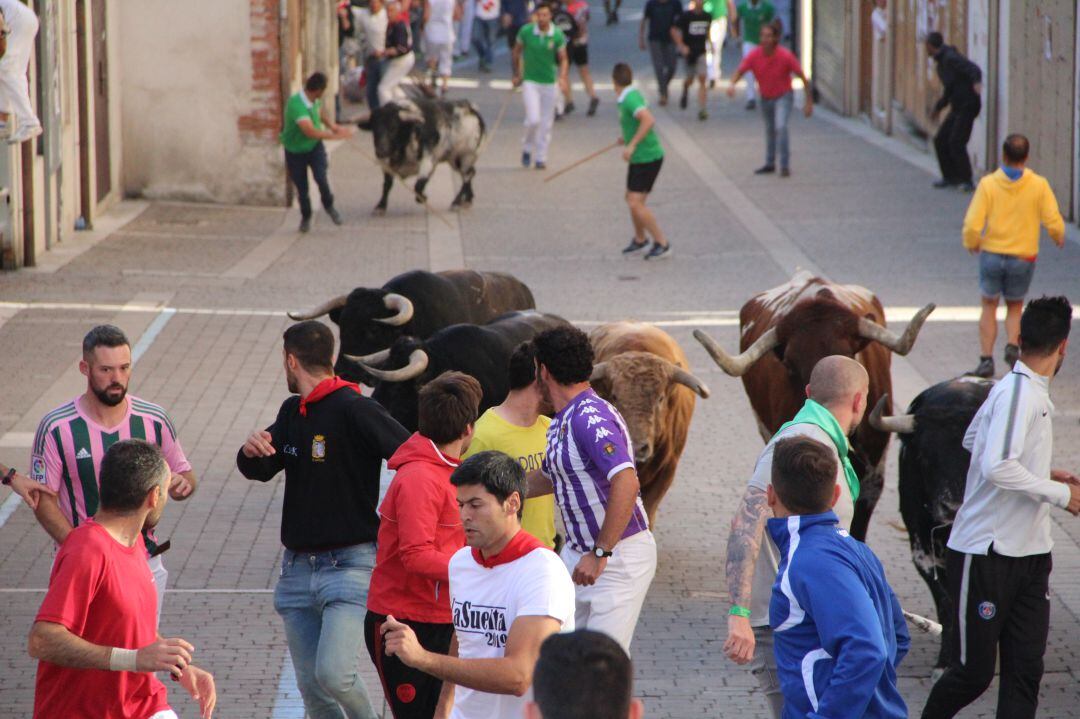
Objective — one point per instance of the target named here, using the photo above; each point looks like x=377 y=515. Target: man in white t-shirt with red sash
x=508 y=593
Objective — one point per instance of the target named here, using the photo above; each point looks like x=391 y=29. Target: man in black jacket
x=962 y=80
x=331 y=441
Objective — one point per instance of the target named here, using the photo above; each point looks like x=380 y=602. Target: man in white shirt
x=999 y=550
x=837 y=391
x=508 y=593
x=372 y=22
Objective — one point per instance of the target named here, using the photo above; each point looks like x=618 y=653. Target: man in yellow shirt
x=517 y=428
x=1002 y=227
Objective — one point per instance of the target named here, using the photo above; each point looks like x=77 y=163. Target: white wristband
x=123 y=660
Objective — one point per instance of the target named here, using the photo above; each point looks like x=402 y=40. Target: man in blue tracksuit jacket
x=839 y=631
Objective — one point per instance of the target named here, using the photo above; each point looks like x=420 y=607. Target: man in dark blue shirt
x=661 y=16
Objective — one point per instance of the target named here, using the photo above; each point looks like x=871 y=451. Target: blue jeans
x=297 y=163
x=484 y=33
x=776 y=113
x=322 y=599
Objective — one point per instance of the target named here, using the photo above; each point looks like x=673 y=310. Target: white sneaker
x=24 y=133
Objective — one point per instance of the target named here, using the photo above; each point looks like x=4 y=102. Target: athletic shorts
x=640 y=176
x=697 y=65
x=1006 y=275
x=443 y=54
x=579 y=54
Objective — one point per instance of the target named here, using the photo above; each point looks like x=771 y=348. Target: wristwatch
x=601 y=553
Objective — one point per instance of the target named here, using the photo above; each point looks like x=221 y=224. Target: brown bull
x=786 y=330
x=644 y=373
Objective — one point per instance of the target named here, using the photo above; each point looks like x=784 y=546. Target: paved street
x=203 y=290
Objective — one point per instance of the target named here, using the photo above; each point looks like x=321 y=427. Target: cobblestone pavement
x=205 y=288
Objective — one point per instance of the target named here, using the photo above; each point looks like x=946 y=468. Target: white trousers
x=613 y=604
x=750 y=89
x=464 y=36
x=161 y=580
x=166 y=714
x=539 y=117
x=14 y=85
x=715 y=50
x=393 y=72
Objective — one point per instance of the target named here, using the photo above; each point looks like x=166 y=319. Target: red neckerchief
x=323 y=389
x=521 y=544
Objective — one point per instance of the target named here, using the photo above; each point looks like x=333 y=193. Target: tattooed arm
x=744 y=543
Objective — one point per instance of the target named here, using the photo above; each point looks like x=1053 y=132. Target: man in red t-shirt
x=419 y=531
x=773 y=66
x=96 y=632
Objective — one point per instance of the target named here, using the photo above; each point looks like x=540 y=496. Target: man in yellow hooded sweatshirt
x=1002 y=227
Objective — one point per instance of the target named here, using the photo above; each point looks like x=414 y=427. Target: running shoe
x=634 y=247
x=985 y=368
x=526 y=159
x=569 y=108
x=541 y=165
x=1012 y=353
x=305 y=224
x=335 y=216
x=703 y=115
x=751 y=104
x=592 y=106
x=765 y=170
x=685 y=99
x=658 y=252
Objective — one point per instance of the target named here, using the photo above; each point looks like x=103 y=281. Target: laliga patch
x=987 y=610
x=318 y=448
x=609 y=448
x=37 y=470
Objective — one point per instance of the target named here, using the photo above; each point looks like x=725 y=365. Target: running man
x=645 y=156
x=539 y=62
x=691 y=35
x=72 y=439
x=508 y=593
x=750 y=17
x=722 y=13
x=96 y=633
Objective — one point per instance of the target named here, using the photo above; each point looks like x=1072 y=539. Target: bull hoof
x=379 y=211
x=463 y=205
x=420 y=199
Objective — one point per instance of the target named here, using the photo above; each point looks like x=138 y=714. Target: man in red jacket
x=419 y=532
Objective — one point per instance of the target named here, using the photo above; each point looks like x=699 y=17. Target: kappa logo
x=83 y=453
x=587 y=400
x=318 y=448
x=987 y=610
x=589 y=410
x=602 y=432
x=595 y=419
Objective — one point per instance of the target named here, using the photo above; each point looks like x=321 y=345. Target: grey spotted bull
x=413 y=136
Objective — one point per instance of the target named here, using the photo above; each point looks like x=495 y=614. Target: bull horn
x=599 y=371
x=373 y=358
x=899 y=423
x=686 y=378
x=737 y=366
x=418 y=362
x=901 y=344
x=324 y=308
x=404 y=307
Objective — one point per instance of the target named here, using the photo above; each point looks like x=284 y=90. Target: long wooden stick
x=929 y=626
x=582 y=161
x=498 y=120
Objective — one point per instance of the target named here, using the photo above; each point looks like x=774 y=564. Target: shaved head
x=836 y=379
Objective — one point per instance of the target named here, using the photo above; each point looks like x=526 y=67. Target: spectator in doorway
x=1002 y=227
x=20 y=122
x=773 y=65
x=961 y=80
x=583 y=675
x=302 y=136
x=661 y=16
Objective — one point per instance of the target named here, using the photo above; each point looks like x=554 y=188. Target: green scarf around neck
x=815 y=414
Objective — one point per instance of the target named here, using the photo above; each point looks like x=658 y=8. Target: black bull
x=482 y=351
x=415 y=304
x=933 y=474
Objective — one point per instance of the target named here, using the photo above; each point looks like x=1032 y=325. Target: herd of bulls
x=420 y=324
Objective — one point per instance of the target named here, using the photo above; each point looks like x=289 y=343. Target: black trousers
x=1001 y=603
x=411 y=693
x=951 y=140
x=298 y=163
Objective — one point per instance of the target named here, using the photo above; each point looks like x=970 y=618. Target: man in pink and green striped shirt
x=72 y=440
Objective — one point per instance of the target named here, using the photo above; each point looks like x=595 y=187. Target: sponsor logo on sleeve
x=37 y=469
x=609 y=449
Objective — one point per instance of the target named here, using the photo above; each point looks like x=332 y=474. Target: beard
x=110 y=400
x=290 y=381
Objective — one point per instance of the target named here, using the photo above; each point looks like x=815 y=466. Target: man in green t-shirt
x=302 y=134
x=722 y=11
x=749 y=17
x=539 y=60
x=645 y=155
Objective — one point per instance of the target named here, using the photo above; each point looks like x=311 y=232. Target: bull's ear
x=335 y=315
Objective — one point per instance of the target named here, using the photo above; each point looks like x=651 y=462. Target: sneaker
x=569 y=108
x=526 y=159
x=335 y=216
x=751 y=104
x=1012 y=353
x=703 y=115
x=615 y=17
x=305 y=224
x=985 y=368
x=684 y=100
x=785 y=172
x=540 y=165
x=765 y=170
x=663 y=100
x=658 y=252
x=593 y=103
x=712 y=84
x=939 y=184
x=966 y=187
x=24 y=133
x=484 y=67
x=634 y=246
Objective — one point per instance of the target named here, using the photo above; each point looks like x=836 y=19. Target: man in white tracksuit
x=22 y=27
x=539 y=52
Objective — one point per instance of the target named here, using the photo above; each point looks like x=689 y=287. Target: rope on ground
x=582 y=161
x=498 y=121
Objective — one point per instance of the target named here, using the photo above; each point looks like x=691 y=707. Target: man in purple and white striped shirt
x=589 y=464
